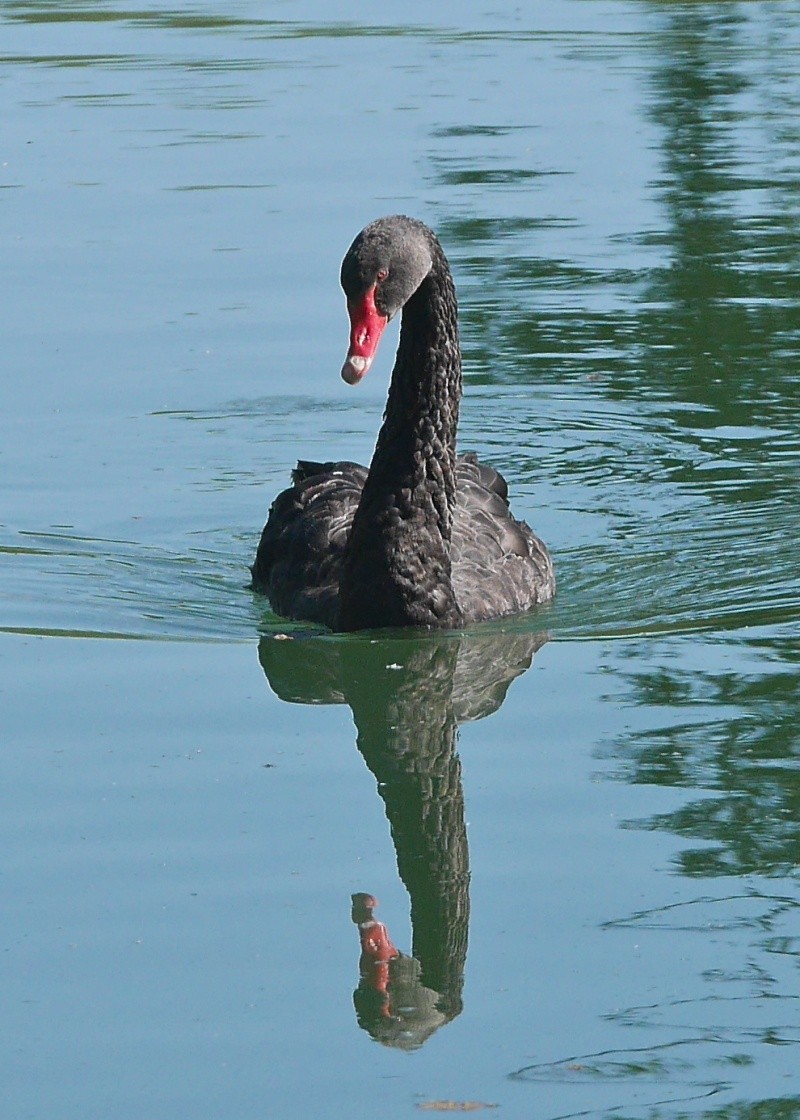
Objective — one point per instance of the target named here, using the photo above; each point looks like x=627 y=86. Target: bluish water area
x=582 y=824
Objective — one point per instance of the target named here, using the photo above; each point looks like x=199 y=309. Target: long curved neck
x=397 y=568
x=416 y=445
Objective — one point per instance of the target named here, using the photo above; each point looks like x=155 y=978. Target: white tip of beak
x=354 y=368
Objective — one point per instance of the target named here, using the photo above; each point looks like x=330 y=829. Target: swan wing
x=299 y=557
x=500 y=566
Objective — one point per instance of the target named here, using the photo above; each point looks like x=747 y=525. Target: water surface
x=587 y=847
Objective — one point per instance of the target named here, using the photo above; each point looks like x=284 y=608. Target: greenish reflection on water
x=732 y=732
x=680 y=373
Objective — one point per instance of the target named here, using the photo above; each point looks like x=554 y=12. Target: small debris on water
x=454 y=1106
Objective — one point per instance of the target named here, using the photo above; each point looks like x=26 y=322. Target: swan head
x=381 y=270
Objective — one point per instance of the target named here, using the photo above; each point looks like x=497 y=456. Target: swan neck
x=421 y=418
x=397 y=569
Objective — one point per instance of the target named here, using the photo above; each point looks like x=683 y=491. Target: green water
x=590 y=843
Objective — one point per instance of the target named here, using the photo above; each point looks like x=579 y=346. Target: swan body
x=422 y=538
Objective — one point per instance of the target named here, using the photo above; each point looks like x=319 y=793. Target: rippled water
x=601 y=870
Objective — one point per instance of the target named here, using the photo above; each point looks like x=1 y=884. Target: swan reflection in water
x=408 y=697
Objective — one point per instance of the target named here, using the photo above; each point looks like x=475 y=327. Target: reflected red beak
x=366 y=327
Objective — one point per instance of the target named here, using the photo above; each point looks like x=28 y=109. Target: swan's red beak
x=366 y=328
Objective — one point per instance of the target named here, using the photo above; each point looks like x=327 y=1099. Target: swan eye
x=381 y=274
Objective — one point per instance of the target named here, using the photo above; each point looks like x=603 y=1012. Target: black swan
x=421 y=538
